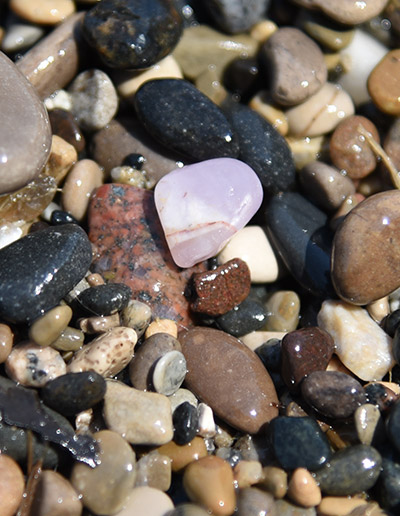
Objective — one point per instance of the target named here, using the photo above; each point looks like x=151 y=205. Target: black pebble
x=105 y=299
x=393 y=425
x=388 y=485
x=178 y=115
x=376 y=394
x=135 y=161
x=60 y=217
x=270 y=354
x=242 y=77
x=391 y=323
x=244 y=318
x=185 y=419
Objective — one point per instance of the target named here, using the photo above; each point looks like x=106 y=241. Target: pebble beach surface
x=199 y=258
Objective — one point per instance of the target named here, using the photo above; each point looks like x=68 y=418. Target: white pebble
x=207 y=426
x=20 y=36
x=169 y=372
x=10 y=232
x=60 y=99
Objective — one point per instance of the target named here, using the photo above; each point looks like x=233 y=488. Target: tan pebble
x=209 y=482
x=348 y=204
x=303 y=488
x=262 y=103
x=100 y=324
x=108 y=354
x=55 y=496
x=210 y=83
x=71 y=339
x=105 y=489
x=146 y=500
x=367 y=420
x=294 y=410
x=6 y=342
x=83 y=421
x=321 y=112
x=181 y=456
x=283 y=309
x=395 y=387
x=128 y=83
x=306 y=150
x=224 y=438
x=274 y=481
x=247 y=472
x=379 y=309
x=181 y=396
x=47 y=328
x=162 y=326
x=383 y=83
x=127 y=175
x=339 y=505
x=262 y=30
x=12 y=485
x=136 y=315
x=62 y=157
x=154 y=470
x=335 y=364
x=84 y=177
x=95 y=279
x=46 y=12
x=254 y=339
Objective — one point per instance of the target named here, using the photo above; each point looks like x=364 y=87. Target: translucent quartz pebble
x=201 y=206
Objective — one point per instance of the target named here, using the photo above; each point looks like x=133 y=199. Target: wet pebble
x=12 y=485
x=285 y=508
x=345 y=12
x=62 y=157
x=147 y=500
x=180 y=396
x=48 y=328
x=105 y=299
x=6 y=342
x=99 y=324
x=340 y=505
x=283 y=308
x=238 y=16
x=185 y=419
x=389 y=482
x=55 y=496
x=368 y=423
x=154 y=470
x=248 y=316
x=63 y=124
x=303 y=489
x=247 y=473
x=136 y=315
x=255 y=502
x=262 y=103
x=168 y=326
x=382 y=83
x=60 y=217
x=46 y=12
x=182 y=455
x=20 y=35
x=206 y=426
x=169 y=373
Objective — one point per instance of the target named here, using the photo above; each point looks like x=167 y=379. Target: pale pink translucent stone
x=202 y=206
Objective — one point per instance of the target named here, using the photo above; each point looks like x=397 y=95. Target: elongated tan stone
x=47 y=12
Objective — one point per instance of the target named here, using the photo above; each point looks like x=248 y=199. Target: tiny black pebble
x=59 y=217
x=185 y=419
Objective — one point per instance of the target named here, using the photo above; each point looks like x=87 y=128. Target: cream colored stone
x=283 y=308
x=12 y=485
x=210 y=83
x=84 y=177
x=128 y=83
x=303 y=488
x=47 y=328
x=262 y=30
x=207 y=427
x=339 y=505
x=262 y=103
x=361 y=344
x=45 y=12
x=147 y=501
x=254 y=339
x=60 y=99
x=99 y=324
x=306 y=150
x=274 y=481
x=62 y=157
x=321 y=112
x=247 y=472
x=108 y=354
x=162 y=326
x=251 y=245
x=142 y=418
x=366 y=419
x=379 y=309
x=55 y=496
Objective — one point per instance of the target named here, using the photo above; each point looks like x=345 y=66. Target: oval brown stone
x=383 y=83
x=366 y=251
x=228 y=376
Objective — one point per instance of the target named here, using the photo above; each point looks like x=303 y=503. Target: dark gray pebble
x=350 y=471
x=178 y=115
x=255 y=502
x=38 y=270
x=244 y=318
x=186 y=421
x=298 y=442
x=105 y=299
x=60 y=217
x=391 y=322
x=235 y=16
x=270 y=354
x=388 y=485
x=379 y=395
x=393 y=425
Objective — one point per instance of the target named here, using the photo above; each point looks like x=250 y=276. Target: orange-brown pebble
x=12 y=485
x=339 y=505
x=63 y=156
x=6 y=342
x=181 y=456
x=95 y=279
x=247 y=472
x=379 y=309
x=348 y=204
x=384 y=82
x=209 y=482
x=162 y=326
x=303 y=488
x=350 y=150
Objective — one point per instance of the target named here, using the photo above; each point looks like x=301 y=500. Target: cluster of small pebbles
x=199 y=258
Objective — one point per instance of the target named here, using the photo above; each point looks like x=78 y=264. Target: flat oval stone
x=351 y=470
x=25 y=129
x=105 y=299
x=147 y=500
x=169 y=373
x=365 y=254
x=229 y=377
x=132 y=34
x=12 y=485
x=55 y=496
x=383 y=81
x=249 y=316
x=185 y=120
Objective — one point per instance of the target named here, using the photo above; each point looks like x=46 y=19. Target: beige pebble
x=335 y=364
x=47 y=328
x=33 y=366
x=107 y=354
x=283 y=309
x=367 y=420
x=251 y=245
x=12 y=485
x=182 y=455
x=254 y=339
x=181 y=396
x=46 y=12
x=224 y=438
x=62 y=157
x=209 y=482
x=306 y=150
x=274 y=481
x=379 y=309
x=140 y=417
x=136 y=315
x=84 y=421
x=262 y=30
x=105 y=489
x=247 y=472
x=162 y=326
x=84 y=177
x=321 y=112
x=210 y=83
x=303 y=488
x=60 y=99
x=262 y=103
x=129 y=82
x=100 y=324
x=154 y=470
x=206 y=426
x=95 y=279
x=71 y=339
x=55 y=496
x=6 y=342
x=147 y=501
x=127 y=175
x=339 y=505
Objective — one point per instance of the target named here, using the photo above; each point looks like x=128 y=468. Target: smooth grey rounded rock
x=169 y=373
x=255 y=502
x=235 y=16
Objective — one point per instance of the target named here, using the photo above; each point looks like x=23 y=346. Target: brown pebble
x=95 y=279
x=349 y=149
x=348 y=204
x=209 y=482
x=71 y=339
x=100 y=324
x=47 y=328
x=12 y=485
x=221 y=289
x=154 y=470
x=55 y=496
x=274 y=481
x=64 y=125
x=6 y=342
x=303 y=488
x=383 y=83
x=339 y=505
x=62 y=157
x=162 y=326
x=247 y=472
x=182 y=455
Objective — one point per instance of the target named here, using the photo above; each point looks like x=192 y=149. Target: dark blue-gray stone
x=105 y=299
x=298 y=442
x=350 y=471
x=298 y=231
x=270 y=353
x=263 y=149
x=244 y=318
x=179 y=116
x=235 y=16
x=388 y=485
x=393 y=425
x=38 y=270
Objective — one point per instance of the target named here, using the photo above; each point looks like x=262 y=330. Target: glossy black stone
x=391 y=323
x=388 y=485
x=393 y=425
x=234 y=16
x=242 y=77
x=298 y=442
x=378 y=395
x=73 y=392
x=270 y=354
x=263 y=149
x=298 y=231
x=105 y=299
x=38 y=270
x=350 y=471
x=244 y=318
x=131 y=33
x=135 y=161
x=185 y=420
x=179 y=116
x=60 y=217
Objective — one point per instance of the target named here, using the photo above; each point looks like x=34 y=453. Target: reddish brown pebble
x=181 y=456
x=383 y=83
x=230 y=378
x=221 y=289
x=12 y=485
x=349 y=149
x=304 y=351
x=392 y=142
x=6 y=342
